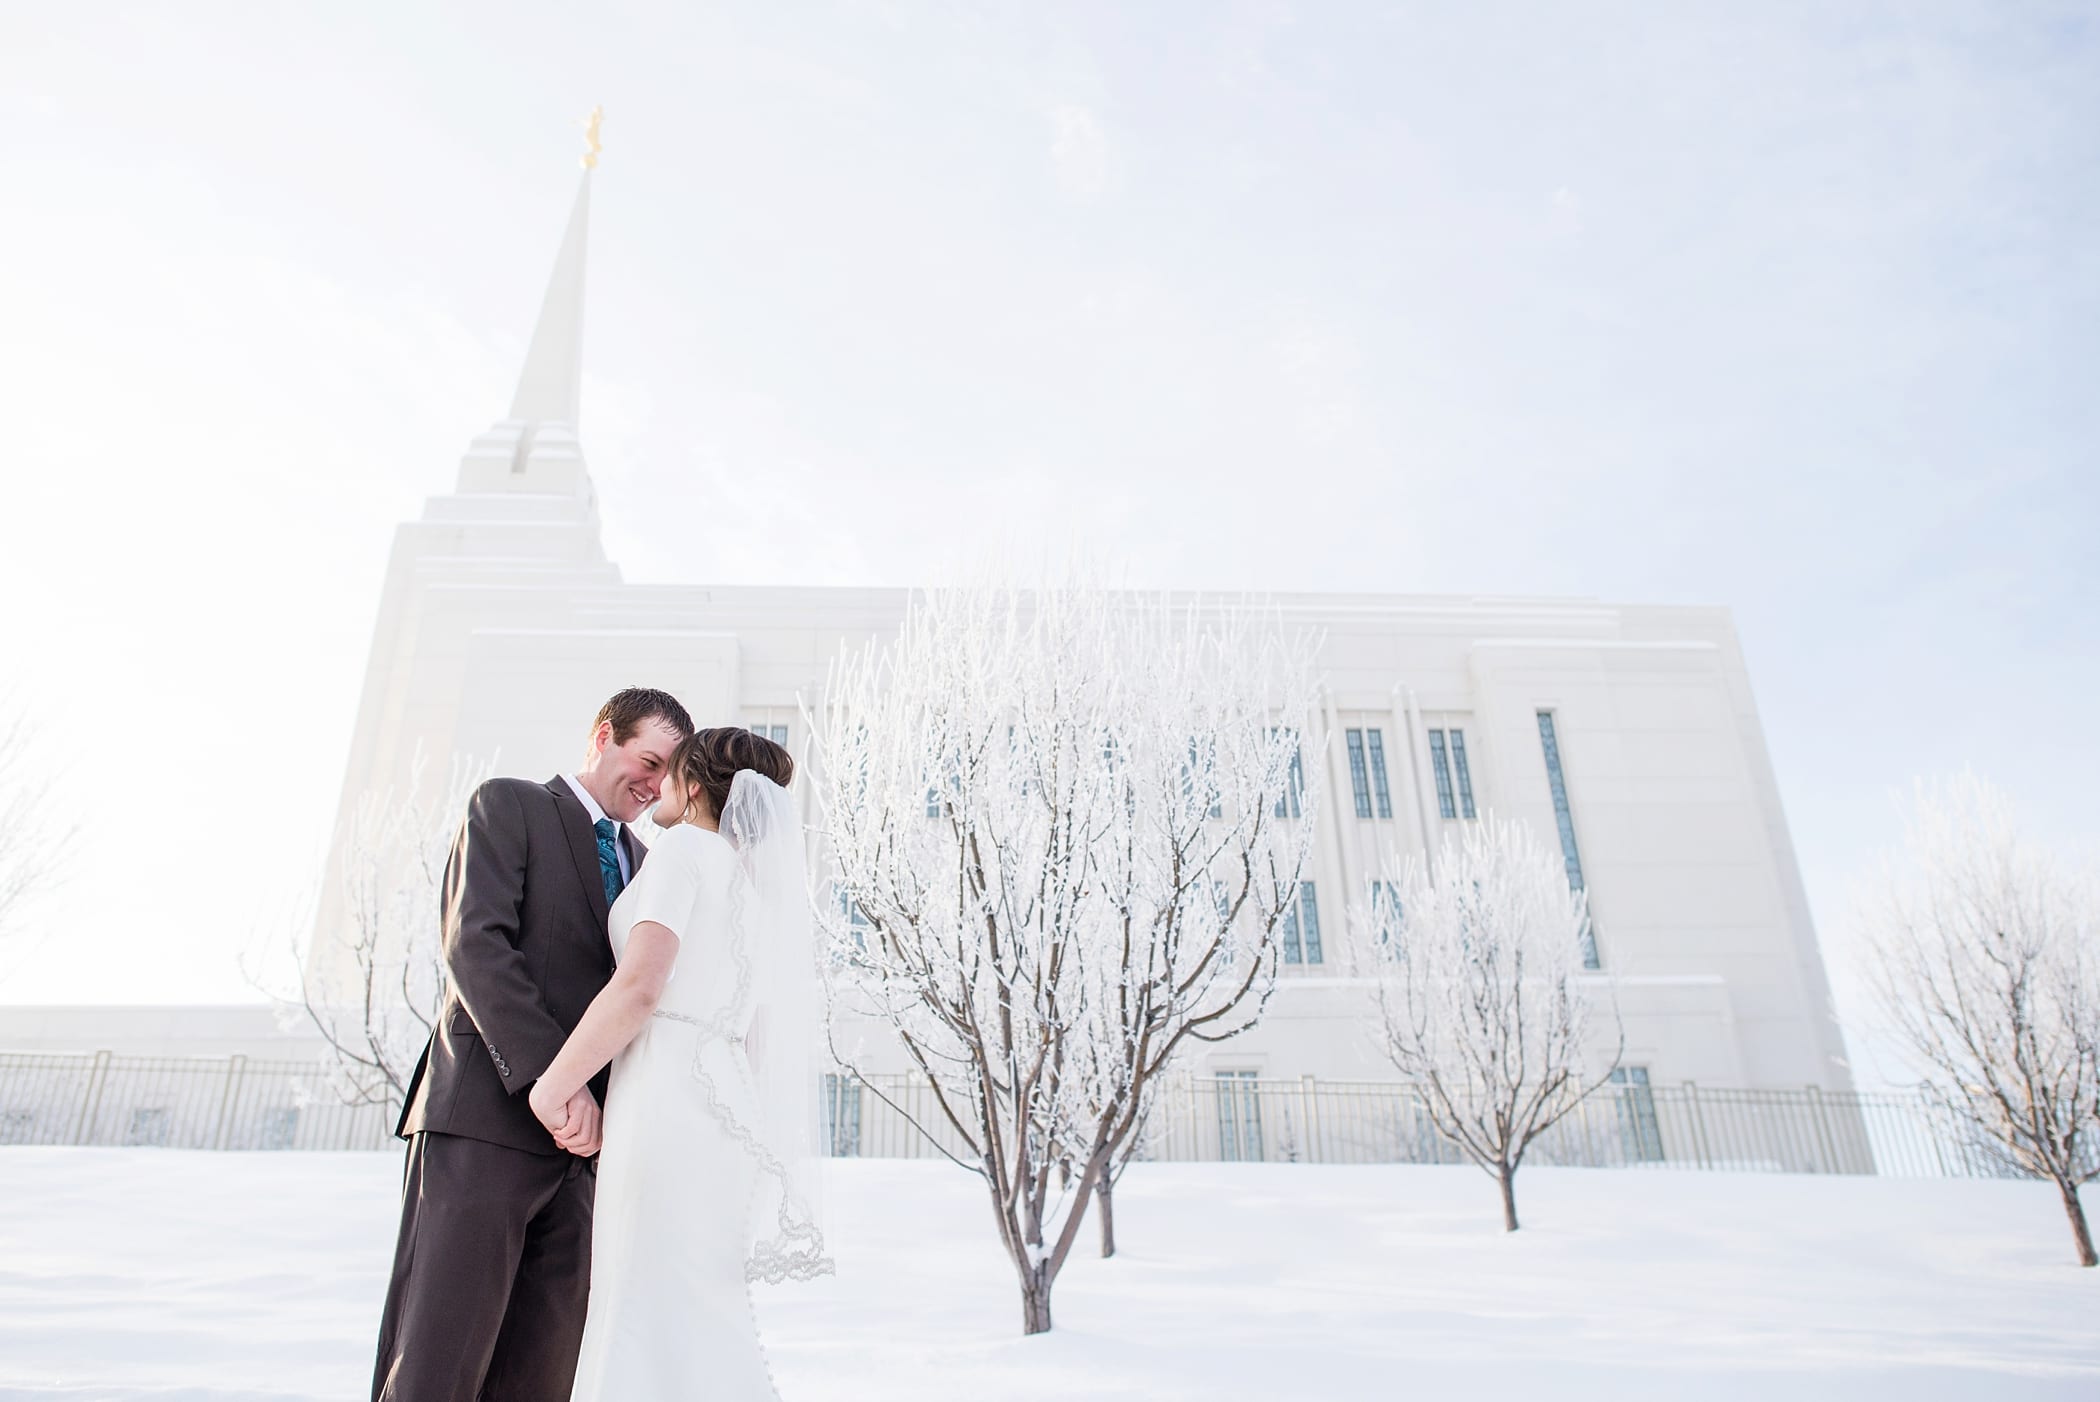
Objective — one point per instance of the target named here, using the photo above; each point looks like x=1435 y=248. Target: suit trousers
x=492 y=1272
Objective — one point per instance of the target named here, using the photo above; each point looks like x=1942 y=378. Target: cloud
x=1081 y=153
x=1317 y=369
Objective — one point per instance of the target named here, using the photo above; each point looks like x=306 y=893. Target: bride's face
x=672 y=804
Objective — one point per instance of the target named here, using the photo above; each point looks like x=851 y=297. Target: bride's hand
x=552 y=1113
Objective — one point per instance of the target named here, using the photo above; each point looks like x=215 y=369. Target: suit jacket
x=525 y=953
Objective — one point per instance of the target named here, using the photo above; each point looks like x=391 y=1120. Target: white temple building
x=1629 y=732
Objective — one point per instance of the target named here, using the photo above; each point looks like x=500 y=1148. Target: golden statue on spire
x=590 y=134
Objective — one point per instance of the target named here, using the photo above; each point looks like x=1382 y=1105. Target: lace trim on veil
x=795 y=1250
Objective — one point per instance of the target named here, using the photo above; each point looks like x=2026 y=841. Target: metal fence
x=181 y=1103
x=1237 y=1117
x=237 y=1103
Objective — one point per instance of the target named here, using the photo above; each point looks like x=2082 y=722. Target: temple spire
x=551 y=387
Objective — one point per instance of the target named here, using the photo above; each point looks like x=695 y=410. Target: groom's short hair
x=628 y=709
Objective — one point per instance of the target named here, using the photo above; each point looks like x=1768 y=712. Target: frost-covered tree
x=1055 y=818
x=1482 y=996
x=1980 y=955
x=375 y=1006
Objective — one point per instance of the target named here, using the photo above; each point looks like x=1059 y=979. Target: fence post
x=1825 y=1140
x=1691 y=1105
x=92 y=1100
x=1923 y=1105
x=233 y=1085
x=1312 y=1117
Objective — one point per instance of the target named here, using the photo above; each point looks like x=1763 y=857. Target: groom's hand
x=579 y=1134
x=548 y=1111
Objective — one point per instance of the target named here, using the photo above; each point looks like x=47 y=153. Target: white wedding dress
x=670 y=1312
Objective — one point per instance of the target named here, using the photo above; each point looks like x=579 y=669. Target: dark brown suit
x=492 y=1267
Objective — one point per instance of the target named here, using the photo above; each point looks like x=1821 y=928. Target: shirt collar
x=590 y=805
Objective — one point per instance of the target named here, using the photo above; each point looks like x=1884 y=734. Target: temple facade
x=1627 y=734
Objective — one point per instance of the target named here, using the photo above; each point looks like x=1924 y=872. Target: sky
x=1789 y=308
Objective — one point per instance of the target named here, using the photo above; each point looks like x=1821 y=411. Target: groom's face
x=626 y=778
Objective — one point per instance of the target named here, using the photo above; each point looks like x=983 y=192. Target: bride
x=707 y=1172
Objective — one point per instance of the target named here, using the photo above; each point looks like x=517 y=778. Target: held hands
x=581 y=1135
x=574 y=1123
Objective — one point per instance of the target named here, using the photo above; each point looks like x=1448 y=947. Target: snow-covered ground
x=139 y=1273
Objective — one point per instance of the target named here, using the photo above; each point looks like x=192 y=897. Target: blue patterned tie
x=609 y=857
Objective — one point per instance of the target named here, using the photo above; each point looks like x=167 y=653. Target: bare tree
x=33 y=840
x=374 y=996
x=1055 y=818
x=1483 y=1001
x=1979 y=952
x=1208 y=866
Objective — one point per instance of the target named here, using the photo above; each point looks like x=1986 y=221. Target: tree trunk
x=2075 y=1210
x=1105 y=1200
x=1507 y=1176
x=1035 y=1303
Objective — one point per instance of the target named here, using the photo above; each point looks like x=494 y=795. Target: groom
x=492 y=1265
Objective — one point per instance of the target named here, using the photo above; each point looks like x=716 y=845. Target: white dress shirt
x=599 y=815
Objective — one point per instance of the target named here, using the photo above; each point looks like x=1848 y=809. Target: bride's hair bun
x=708 y=762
